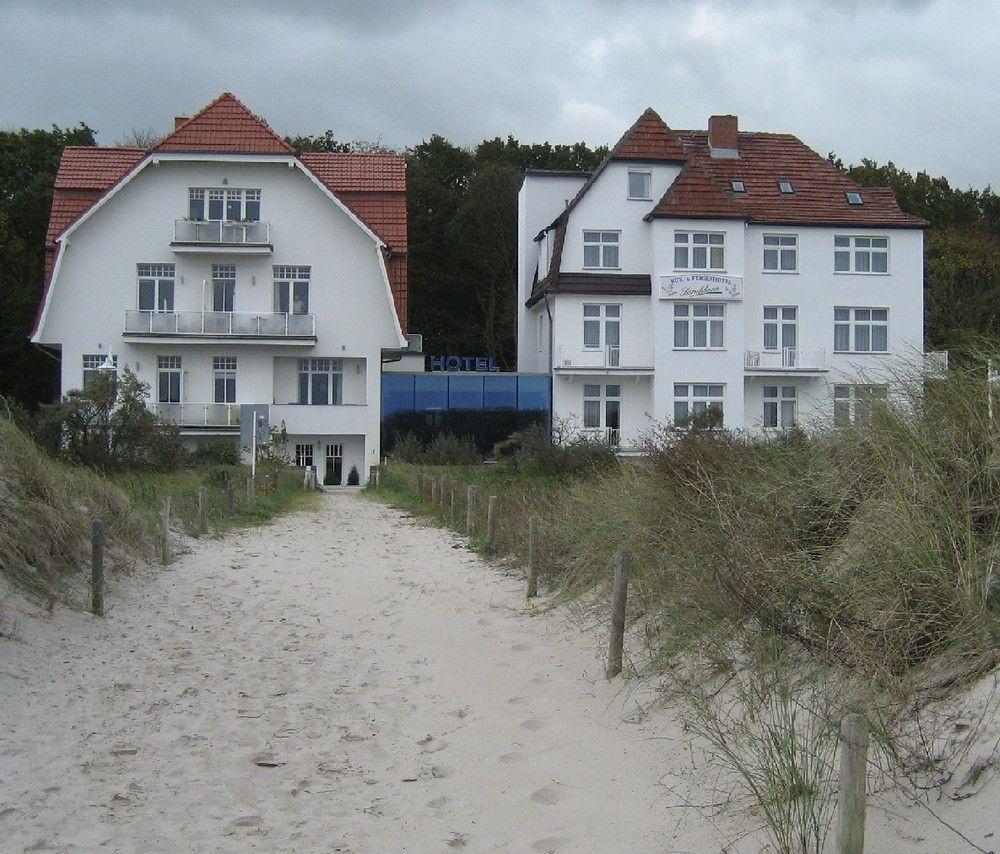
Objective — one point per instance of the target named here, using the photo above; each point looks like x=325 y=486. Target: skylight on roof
x=738 y=185
x=786 y=188
x=854 y=197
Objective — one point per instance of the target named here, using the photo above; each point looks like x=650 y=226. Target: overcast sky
x=916 y=82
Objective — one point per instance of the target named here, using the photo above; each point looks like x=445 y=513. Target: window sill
x=861 y=353
x=857 y=273
x=700 y=349
x=639 y=199
x=779 y=272
x=717 y=272
x=601 y=269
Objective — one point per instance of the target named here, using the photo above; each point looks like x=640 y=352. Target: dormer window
x=738 y=186
x=639 y=185
x=854 y=197
x=786 y=188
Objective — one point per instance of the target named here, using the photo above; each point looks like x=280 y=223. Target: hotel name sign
x=702 y=286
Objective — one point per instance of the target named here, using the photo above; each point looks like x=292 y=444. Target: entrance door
x=334 y=465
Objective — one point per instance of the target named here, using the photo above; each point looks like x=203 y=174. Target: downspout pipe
x=548 y=311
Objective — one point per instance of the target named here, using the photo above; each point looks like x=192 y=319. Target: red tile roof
x=225 y=125
x=372 y=186
x=649 y=139
x=704 y=189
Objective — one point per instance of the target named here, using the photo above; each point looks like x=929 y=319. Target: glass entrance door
x=334 y=465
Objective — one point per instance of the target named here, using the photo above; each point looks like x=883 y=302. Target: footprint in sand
x=440 y=772
x=439 y=803
x=552 y=845
x=548 y=795
x=510 y=758
x=522 y=647
x=533 y=724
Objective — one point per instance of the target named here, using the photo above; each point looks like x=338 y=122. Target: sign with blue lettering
x=480 y=364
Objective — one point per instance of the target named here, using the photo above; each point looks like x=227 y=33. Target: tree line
x=462 y=209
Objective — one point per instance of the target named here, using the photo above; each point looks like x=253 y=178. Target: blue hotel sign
x=479 y=364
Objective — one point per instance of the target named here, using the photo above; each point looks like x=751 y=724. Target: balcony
x=339 y=419
x=610 y=359
x=220 y=417
x=787 y=360
x=610 y=436
x=220 y=326
x=241 y=238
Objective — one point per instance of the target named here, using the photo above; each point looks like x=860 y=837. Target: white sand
x=405 y=699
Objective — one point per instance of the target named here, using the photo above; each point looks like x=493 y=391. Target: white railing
x=198 y=414
x=222 y=232
x=612 y=356
x=786 y=359
x=604 y=435
x=235 y=323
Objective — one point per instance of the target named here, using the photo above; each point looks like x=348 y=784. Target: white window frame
x=780 y=406
x=649 y=185
x=856 y=320
x=287 y=279
x=244 y=196
x=852 y=402
x=305 y=455
x=224 y=276
x=606 y=318
x=224 y=369
x=781 y=318
x=603 y=242
x=687 y=244
x=780 y=246
x=697 y=398
x=92 y=366
x=169 y=365
x=334 y=371
x=604 y=399
x=160 y=275
x=700 y=318
x=856 y=246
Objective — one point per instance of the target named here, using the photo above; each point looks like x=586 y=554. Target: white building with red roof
x=734 y=277
x=245 y=283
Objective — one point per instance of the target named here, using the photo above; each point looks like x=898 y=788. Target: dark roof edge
x=598 y=284
x=918 y=223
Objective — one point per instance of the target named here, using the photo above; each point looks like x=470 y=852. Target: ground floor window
x=699 y=403
x=168 y=379
x=779 y=406
x=94 y=363
x=320 y=381
x=852 y=404
x=602 y=407
x=334 y=475
x=304 y=455
x=225 y=378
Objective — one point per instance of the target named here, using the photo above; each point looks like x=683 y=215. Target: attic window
x=854 y=197
x=738 y=185
x=786 y=188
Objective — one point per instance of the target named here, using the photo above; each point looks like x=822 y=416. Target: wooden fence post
x=471 y=505
x=532 y=559
x=619 y=564
x=420 y=485
x=230 y=497
x=202 y=510
x=165 y=529
x=250 y=491
x=853 y=776
x=434 y=491
x=97 y=567
x=373 y=476
x=491 y=523
x=454 y=500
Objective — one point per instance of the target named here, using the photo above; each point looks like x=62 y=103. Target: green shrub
x=445 y=449
x=218 y=452
x=353 y=478
x=533 y=451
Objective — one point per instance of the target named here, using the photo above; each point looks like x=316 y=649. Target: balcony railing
x=221 y=233
x=612 y=356
x=236 y=324
x=610 y=436
x=786 y=359
x=198 y=414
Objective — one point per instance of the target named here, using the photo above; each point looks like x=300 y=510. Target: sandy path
x=409 y=700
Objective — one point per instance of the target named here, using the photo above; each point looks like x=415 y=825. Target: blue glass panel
x=533 y=393
x=499 y=392
x=465 y=392
x=430 y=391
x=397 y=393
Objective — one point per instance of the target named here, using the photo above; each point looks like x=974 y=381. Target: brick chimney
x=179 y=120
x=723 y=137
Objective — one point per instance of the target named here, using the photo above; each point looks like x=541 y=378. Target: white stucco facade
x=650 y=368
x=93 y=304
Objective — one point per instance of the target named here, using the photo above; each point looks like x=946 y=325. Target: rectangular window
x=168 y=379
x=639 y=184
x=781 y=253
x=699 y=250
x=601 y=249
x=291 y=289
x=94 y=364
x=779 y=406
x=852 y=404
x=320 y=381
x=860 y=254
x=226 y=204
x=602 y=408
x=780 y=322
x=304 y=456
x=223 y=287
x=698 y=402
x=156 y=287
x=225 y=378
x=860 y=330
x=699 y=326
x=602 y=329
